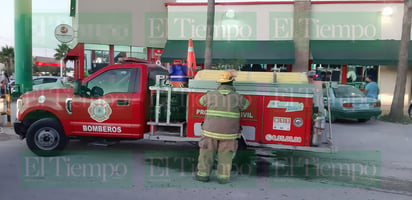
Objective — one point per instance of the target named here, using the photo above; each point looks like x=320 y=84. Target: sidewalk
x=7 y=133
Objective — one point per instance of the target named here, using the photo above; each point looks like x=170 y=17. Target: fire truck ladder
x=166 y=135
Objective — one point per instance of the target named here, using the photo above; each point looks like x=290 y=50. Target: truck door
x=105 y=106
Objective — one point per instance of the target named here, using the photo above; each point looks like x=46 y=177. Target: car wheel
x=46 y=137
x=363 y=120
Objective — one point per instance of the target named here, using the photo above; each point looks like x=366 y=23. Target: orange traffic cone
x=191 y=60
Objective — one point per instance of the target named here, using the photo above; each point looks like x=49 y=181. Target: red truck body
x=47 y=118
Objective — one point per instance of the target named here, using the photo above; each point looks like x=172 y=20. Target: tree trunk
x=8 y=66
x=11 y=66
x=397 y=106
x=209 y=35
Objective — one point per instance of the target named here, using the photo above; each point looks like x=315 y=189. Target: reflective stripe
x=224 y=91
x=217 y=113
x=222 y=136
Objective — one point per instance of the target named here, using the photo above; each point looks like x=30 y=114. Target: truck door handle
x=122 y=102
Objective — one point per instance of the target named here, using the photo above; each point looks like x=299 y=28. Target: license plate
x=363 y=106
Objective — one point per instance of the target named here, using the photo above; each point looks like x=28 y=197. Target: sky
x=47 y=14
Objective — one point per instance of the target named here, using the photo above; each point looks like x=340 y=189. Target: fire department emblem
x=99 y=110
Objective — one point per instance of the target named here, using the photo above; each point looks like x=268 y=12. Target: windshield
x=347 y=92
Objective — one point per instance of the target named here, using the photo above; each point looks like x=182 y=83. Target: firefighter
x=220 y=129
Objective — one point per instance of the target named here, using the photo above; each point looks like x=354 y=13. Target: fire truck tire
x=46 y=137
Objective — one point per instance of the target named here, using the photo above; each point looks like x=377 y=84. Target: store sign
x=64 y=33
x=228 y=25
x=327 y=25
x=157 y=54
x=44 y=27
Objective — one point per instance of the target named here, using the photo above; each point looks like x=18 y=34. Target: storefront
x=350 y=62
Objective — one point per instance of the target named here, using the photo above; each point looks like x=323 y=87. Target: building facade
x=336 y=38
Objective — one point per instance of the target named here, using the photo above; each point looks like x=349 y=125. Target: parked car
x=42 y=83
x=410 y=110
x=348 y=102
x=48 y=82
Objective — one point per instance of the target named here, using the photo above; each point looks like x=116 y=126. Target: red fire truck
x=136 y=101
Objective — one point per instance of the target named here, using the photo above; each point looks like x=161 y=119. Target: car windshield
x=347 y=92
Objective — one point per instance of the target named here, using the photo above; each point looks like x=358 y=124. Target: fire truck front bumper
x=20 y=129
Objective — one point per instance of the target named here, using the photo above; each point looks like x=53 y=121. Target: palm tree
x=61 y=51
x=209 y=35
x=397 y=106
x=7 y=58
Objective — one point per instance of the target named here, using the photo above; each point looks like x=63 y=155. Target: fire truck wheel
x=46 y=137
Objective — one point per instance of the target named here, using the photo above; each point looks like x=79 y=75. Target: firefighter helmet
x=226 y=77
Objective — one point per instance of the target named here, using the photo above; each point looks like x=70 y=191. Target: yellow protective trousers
x=209 y=147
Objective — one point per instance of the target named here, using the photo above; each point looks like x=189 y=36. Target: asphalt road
x=375 y=157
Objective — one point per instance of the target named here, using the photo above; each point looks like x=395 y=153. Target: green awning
x=227 y=52
x=360 y=52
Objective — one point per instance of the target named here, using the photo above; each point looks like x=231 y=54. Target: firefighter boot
x=202 y=178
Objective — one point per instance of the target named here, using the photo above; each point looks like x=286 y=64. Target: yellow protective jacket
x=223 y=112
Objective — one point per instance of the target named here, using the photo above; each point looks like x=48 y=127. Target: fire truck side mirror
x=77 y=87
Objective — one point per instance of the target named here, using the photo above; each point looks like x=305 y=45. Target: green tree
x=7 y=58
x=61 y=51
x=396 y=113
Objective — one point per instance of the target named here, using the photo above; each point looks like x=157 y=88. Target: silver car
x=348 y=102
x=42 y=83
